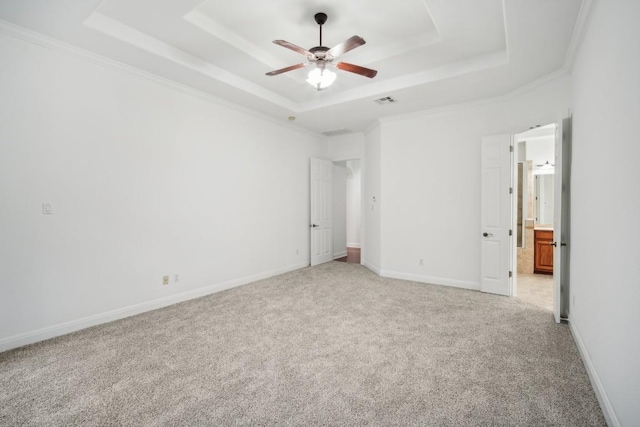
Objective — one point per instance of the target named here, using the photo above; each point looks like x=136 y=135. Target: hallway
x=353 y=256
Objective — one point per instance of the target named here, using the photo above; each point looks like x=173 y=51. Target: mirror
x=544 y=199
x=520 y=225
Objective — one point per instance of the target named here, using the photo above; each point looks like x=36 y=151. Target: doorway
x=347 y=210
x=534 y=179
x=499 y=210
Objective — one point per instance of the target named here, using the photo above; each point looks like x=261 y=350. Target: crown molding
x=480 y=102
x=133 y=37
x=579 y=31
x=17 y=32
x=371 y=127
x=119 y=31
x=42 y=40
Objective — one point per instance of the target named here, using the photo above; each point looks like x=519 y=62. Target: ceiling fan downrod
x=321 y=18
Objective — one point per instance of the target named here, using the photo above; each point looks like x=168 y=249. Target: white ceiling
x=428 y=53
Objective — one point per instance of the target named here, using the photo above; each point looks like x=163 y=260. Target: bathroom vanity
x=543 y=251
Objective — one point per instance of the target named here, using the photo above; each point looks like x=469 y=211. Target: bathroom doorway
x=534 y=179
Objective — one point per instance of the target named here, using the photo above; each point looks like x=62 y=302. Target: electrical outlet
x=165 y=280
x=176 y=278
x=421 y=262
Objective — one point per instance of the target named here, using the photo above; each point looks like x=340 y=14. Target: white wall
x=605 y=201
x=371 y=205
x=145 y=180
x=354 y=203
x=430 y=170
x=346 y=147
x=339 y=209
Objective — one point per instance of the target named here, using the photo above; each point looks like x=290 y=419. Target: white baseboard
x=120 y=313
x=371 y=267
x=339 y=254
x=353 y=245
x=601 y=394
x=464 y=284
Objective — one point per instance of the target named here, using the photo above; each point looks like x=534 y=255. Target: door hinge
x=511 y=148
x=510 y=232
x=510 y=190
x=511 y=274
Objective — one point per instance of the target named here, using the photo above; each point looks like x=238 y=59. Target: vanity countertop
x=543 y=227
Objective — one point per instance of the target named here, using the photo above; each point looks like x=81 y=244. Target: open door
x=561 y=220
x=321 y=211
x=495 y=215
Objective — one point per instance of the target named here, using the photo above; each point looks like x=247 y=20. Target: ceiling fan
x=320 y=56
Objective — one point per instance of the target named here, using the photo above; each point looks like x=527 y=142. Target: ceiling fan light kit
x=321 y=78
x=320 y=57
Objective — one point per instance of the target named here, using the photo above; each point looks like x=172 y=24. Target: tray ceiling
x=428 y=53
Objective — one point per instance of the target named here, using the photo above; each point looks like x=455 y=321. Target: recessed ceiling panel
x=237 y=36
x=428 y=53
x=380 y=22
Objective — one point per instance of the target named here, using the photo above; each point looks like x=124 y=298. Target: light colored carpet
x=327 y=345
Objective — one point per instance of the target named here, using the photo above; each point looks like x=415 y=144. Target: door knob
x=554 y=244
x=315 y=225
x=487 y=234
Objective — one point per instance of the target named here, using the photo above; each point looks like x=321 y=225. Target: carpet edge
x=31 y=337
x=464 y=284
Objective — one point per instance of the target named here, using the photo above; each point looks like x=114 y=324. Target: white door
x=321 y=211
x=561 y=182
x=495 y=215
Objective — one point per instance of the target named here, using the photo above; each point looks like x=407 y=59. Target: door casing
x=561 y=219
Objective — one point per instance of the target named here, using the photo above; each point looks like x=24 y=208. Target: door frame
x=362 y=201
x=557 y=297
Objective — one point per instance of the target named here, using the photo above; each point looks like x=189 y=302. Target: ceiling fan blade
x=293 y=47
x=346 y=46
x=367 y=72
x=284 y=70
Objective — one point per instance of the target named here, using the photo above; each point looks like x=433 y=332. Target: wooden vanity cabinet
x=543 y=252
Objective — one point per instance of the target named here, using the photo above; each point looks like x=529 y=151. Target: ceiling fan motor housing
x=319 y=53
x=321 y=18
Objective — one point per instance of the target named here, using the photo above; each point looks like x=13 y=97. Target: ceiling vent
x=386 y=100
x=337 y=132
